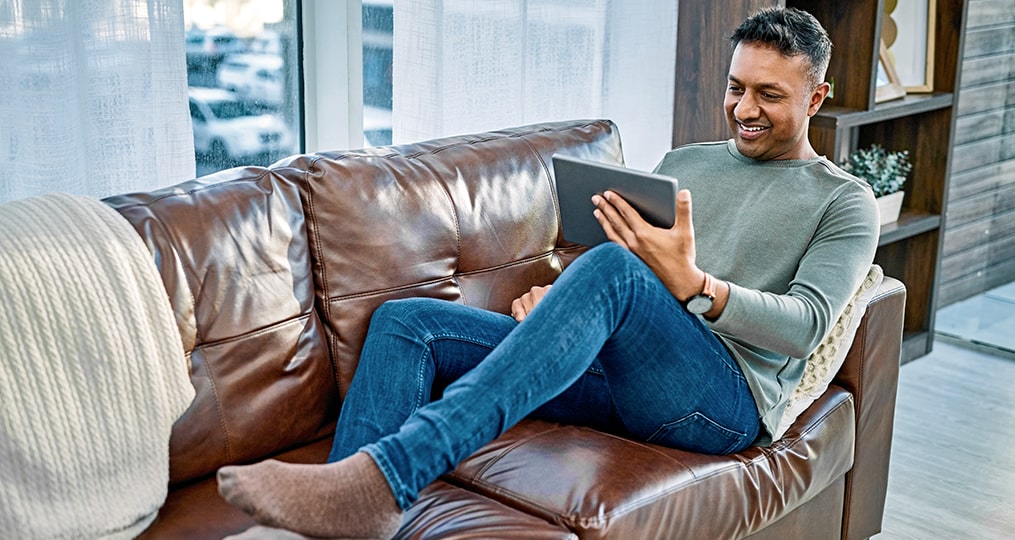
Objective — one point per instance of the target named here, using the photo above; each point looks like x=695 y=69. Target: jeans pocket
x=697 y=432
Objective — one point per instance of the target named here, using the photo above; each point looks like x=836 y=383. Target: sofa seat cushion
x=604 y=486
x=195 y=511
x=447 y=512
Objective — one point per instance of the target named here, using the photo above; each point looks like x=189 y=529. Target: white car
x=228 y=130
x=254 y=77
x=218 y=41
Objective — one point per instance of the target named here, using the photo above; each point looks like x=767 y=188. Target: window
x=243 y=73
x=378 y=27
x=462 y=66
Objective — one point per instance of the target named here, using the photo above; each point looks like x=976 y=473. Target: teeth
x=752 y=128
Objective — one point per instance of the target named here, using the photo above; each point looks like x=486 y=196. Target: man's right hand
x=523 y=305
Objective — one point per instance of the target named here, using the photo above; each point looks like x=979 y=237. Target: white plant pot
x=889 y=206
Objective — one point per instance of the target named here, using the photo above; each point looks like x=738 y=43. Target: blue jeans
x=607 y=347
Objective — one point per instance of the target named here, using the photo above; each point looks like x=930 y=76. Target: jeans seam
x=394 y=481
x=430 y=338
x=428 y=342
x=731 y=365
x=736 y=435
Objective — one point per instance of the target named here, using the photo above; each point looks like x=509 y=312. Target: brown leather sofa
x=274 y=272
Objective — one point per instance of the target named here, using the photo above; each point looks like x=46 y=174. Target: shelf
x=908 y=225
x=833 y=117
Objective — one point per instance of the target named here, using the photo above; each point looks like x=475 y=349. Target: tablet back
x=652 y=195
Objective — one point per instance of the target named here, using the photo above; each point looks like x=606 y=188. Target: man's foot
x=346 y=499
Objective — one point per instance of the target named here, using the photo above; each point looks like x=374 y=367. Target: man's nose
x=747 y=107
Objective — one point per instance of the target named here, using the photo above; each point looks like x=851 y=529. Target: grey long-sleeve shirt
x=794 y=239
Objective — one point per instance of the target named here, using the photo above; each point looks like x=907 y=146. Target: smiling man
x=775 y=86
x=691 y=337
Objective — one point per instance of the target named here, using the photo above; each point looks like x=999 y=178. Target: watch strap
x=701 y=303
x=708 y=290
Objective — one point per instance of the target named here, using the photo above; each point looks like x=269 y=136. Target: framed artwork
x=889 y=86
x=908 y=32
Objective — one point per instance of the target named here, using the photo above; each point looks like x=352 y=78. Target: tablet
x=652 y=195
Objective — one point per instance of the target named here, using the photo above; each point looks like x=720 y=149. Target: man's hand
x=522 y=306
x=670 y=253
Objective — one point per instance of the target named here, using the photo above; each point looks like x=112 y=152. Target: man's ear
x=818 y=97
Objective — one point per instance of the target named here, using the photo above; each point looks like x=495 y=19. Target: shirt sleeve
x=833 y=266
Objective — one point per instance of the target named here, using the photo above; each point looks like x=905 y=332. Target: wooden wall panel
x=983 y=179
x=703 y=61
x=978 y=251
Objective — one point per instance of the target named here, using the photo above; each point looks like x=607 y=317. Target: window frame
x=332 y=74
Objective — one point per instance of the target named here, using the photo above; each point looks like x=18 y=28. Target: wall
x=703 y=60
x=979 y=242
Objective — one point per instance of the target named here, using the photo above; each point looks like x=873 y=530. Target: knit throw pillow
x=825 y=361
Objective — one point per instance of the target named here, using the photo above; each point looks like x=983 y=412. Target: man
x=691 y=337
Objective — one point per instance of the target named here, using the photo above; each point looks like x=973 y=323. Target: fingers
x=617 y=218
x=683 y=210
x=517 y=311
x=683 y=225
x=524 y=304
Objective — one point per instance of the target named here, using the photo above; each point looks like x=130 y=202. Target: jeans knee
x=612 y=259
x=400 y=311
x=609 y=250
x=615 y=255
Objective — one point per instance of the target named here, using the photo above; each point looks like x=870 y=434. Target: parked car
x=228 y=130
x=214 y=42
x=205 y=50
x=268 y=42
x=254 y=77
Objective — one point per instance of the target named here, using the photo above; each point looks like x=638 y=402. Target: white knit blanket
x=92 y=373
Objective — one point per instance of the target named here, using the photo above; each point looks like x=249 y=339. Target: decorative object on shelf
x=889 y=86
x=886 y=172
x=908 y=32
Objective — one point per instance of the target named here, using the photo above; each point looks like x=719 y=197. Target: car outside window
x=243 y=71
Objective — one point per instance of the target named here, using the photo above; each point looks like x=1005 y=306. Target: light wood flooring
x=952 y=473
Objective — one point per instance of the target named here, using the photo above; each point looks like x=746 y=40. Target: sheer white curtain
x=463 y=66
x=94 y=97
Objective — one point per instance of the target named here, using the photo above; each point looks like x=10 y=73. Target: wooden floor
x=952 y=473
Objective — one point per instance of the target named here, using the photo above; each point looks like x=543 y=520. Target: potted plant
x=886 y=172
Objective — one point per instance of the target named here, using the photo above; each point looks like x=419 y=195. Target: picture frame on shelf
x=889 y=86
x=908 y=32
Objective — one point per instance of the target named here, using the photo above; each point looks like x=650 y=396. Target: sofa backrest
x=471 y=219
x=273 y=273
x=232 y=251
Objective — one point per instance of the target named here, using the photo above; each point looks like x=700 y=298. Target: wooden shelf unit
x=909 y=249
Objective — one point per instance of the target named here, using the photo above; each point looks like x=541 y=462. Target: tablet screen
x=652 y=195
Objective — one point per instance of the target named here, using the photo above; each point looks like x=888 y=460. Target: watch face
x=699 y=304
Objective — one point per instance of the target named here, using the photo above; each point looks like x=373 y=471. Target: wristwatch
x=701 y=303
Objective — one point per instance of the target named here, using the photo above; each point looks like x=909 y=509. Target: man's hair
x=790 y=31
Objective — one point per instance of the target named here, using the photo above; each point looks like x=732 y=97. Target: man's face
x=769 y=100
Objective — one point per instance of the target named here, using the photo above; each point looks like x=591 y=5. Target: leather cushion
x=604 y=486
x=232 y=252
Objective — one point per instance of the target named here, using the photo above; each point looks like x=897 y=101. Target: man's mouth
x=749 y=131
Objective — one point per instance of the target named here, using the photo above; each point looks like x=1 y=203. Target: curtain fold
x=94 y=97
x=462 y=66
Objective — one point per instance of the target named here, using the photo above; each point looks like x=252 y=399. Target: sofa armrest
x=871 y=374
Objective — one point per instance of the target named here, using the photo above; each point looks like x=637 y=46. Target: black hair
x=790 y=31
